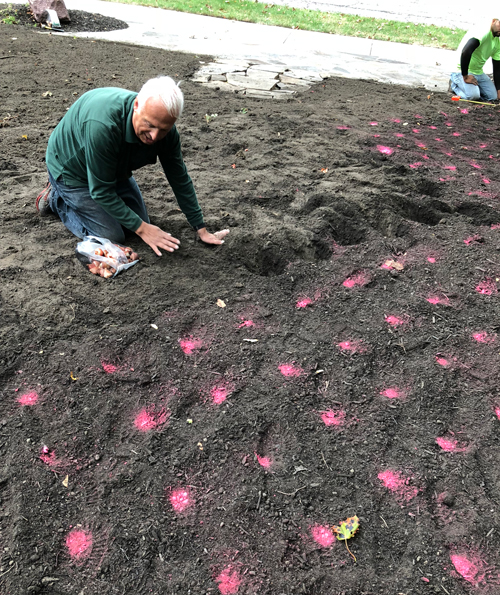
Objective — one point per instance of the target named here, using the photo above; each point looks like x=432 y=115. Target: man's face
x=495 y=27
x=151 y=121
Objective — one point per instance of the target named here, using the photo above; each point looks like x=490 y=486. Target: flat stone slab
x=292 y=88
x=304 y=74
x=251 y=82
x=263 y=73
x=269 y=67
x=294 y=81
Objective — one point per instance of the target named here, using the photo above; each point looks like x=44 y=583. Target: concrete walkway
x=330 y=55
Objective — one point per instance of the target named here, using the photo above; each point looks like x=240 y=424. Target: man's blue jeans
x=485 y=89
x=83 y=216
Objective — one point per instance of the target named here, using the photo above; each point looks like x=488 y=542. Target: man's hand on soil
x=212 y=238
x=470 y=79
x=157 y=238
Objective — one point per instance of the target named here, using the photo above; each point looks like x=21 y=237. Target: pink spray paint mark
x=495 y=226
x=447 y=179
x=467 y=569
x=263 y=461
x=393 y=393
x=483 y=337
x=219 y=394
x=109 y=368
x=483 y=145
x=448 y=124
x=357 y=280
x=443 y=361
x=246 y=324
x=441 y=300
x=487 y=287
x=475 y=239
x=457 y=134
x=431 y=259
x=486 y=181
x=399 y=135
x=416 y=131
x=290 y=370
x=438 y=139
x=497 y=412
x=304 y=302
x=376 y=136
x=385 y=150
x=433 y=127
x=322 y=535
x=421 y=146
x=180 y=499
x=395 y=321
x=398 y=484
x=48 y=456
x=229 y=581
x=476 y=165
x=149 y=419
x=333 y=417
x=450 y=167
x=343 y=127
x=425 y=156
x=28 y=399
x=449 y=444
x=354 y=346
x=189 y=345
x=418 y=116
x=464 y=110
x=415 y=165
x=395 y=120
x=79 y=544
x=373 y=123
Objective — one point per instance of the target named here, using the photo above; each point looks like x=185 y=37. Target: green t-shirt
x=489 y=47
x=95 y=145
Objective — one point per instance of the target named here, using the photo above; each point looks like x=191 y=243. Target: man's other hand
x=157 y=238
x=212 y=238
x=470 y=79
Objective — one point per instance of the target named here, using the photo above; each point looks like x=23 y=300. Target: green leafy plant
x=10 y=19
x=210 y=117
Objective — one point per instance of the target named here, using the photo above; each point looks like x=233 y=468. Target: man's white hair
x=166 y=89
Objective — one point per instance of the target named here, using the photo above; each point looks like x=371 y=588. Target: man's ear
x=136 y=105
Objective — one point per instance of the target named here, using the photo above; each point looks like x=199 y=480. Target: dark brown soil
x=80 y=21
x=309 y=205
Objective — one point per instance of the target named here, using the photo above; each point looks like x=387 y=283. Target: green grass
x=313 y=20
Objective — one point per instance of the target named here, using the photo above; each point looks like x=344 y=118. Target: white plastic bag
x=103 y=257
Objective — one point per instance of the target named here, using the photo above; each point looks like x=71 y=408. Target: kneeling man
x=106 y=135
x=478 y=45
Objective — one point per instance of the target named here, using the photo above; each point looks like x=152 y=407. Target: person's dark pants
x=84 y=217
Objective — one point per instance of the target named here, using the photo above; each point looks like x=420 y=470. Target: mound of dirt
x=81 y=21
x=199 y=423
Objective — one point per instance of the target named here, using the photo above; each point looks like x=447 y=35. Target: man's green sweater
x=95 y=145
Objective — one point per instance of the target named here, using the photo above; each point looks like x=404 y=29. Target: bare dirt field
x=198 y=424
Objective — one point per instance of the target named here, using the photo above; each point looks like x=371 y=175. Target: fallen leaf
x=72 y=377
x=154 y=326
x=66 y=481
x=233 y=166
x=393 y=264
x=324 y=170
x=346 y=530
x=25 y=136
x=221 y=303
